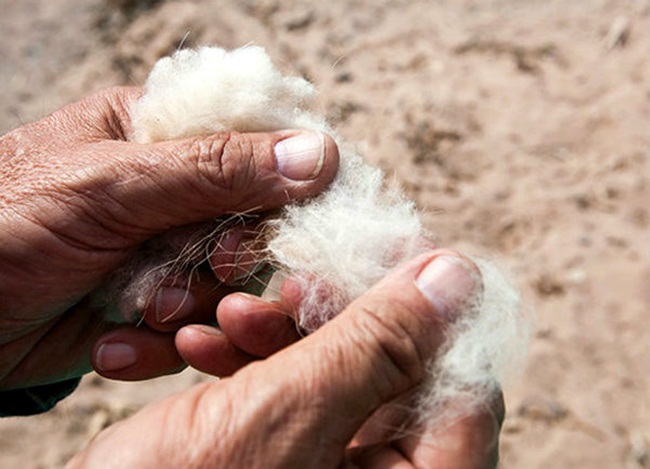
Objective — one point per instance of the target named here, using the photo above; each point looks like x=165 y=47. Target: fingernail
x=301 y=157
x=247 y=261
x=450 y=284
x=236 y=258
x=223 y=254
x=173 y=304
x=115 y=356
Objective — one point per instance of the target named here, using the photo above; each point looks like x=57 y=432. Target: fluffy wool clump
x=198 y=92
x=342 y=242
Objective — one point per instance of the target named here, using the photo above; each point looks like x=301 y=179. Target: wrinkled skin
x=329 y=401
x=79 y=199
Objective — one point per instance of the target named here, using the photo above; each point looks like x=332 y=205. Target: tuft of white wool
x=343 y=241
x=198 y=92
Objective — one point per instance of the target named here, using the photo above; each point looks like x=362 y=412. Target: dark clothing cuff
x=35 y=400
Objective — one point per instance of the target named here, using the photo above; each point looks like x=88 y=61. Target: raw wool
x=343 y=241
x=198 y=92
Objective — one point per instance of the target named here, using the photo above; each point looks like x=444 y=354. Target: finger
x=470 y=443
x=376 y=350
x=130 y=353
x=249 y=328
x=258 y=327
x=180 y=302
x=238 y=254
x=209 y=350
x=143 y=189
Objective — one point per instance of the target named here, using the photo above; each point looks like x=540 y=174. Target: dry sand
x=520 y=127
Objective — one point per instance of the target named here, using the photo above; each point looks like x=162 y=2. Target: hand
x=303 y=406
x=78 y=199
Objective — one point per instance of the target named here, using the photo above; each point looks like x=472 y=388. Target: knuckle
x=224 y=161
x=102 y=219
x=402 y=361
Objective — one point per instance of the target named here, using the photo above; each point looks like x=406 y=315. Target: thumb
x=301 y=407
x=150 y=188
x=376 y=350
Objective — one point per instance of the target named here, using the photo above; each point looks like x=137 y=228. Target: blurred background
x=520 y=128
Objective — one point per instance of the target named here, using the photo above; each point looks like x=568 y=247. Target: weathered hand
x=303 y=407
x=78 y=199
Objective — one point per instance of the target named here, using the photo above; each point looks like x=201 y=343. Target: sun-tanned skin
x=79 y=199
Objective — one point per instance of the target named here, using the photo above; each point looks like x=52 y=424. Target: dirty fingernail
x=115 y=356
x=173 y=304
x=301 y=157
x=450 y=284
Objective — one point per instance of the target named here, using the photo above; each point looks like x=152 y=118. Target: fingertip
x=258 y=327
x=237 y=255
x=223 y=254
x=450 y=283
x=291 y=294
x=331 y=159
x=114 y=356
x=209 y=350
x=131 y=354
x=176 y=304
x=306 y=155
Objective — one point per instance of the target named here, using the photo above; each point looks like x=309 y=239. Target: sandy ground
x=519 y=127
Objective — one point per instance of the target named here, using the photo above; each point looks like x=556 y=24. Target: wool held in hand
x=341 y=242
